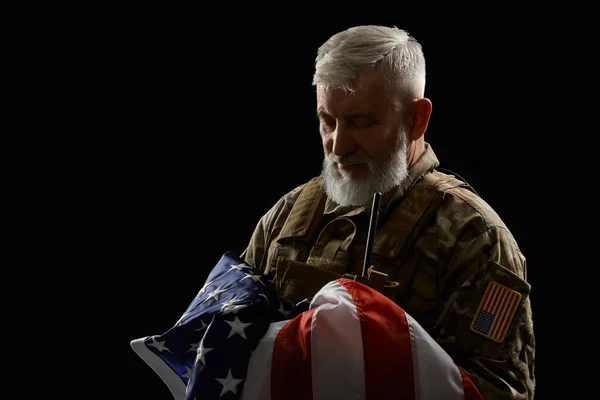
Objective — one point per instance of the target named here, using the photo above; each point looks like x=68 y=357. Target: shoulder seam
x=487 y=223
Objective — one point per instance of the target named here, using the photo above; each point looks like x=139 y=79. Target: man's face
x=364 y=140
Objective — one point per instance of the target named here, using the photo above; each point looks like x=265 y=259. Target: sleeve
x=256 y=249
x=266 y=230
x=486 y=325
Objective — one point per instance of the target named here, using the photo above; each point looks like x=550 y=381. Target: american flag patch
x=495 y=312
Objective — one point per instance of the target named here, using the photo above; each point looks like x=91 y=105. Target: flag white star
x=233 y=309
x=229 y=383
x=215 y=294
x=255 y=278
x=187 y=375
x=180 y=321
x=239 y=267
x=159 y=345
x=201 y=353
x=204 y=325
x=230 y=306
x=203 y=289
x=237 y=327
x=194 y=347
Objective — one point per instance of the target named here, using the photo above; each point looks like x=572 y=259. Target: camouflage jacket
x=462 y=274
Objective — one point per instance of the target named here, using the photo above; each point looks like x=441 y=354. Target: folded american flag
x=205 y=354
x=236 y=340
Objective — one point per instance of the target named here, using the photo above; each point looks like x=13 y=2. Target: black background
x=163 y=134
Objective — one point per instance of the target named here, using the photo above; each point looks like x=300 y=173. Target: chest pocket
x=331 y=250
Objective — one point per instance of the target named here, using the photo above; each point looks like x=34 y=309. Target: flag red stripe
x=500 y=307
x=496 y=308
x=506 y=314
x=292 y=380
x=497 y=298
x=493 y=298
x=486 y=297
x=489 y=297
x=386 y=367
x=470 y=390
x=501 y=302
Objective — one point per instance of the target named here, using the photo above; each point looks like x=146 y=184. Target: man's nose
x=343 y=141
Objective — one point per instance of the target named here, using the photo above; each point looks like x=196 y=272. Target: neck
x=415 y=150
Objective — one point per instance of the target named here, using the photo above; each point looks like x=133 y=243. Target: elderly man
x=451 y=262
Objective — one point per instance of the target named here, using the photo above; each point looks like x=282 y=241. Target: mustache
x=349 y=159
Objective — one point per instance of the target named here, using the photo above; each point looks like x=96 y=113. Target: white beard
x=349 y=192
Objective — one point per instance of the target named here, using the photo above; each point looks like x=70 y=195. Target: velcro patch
x=495 y=312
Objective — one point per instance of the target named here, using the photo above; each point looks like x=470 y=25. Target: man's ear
x=421 y=112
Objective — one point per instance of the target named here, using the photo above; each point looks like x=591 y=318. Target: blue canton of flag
x=205 y=354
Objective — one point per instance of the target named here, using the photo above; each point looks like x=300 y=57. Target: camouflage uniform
x=441 y=246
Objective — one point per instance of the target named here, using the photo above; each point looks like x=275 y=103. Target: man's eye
x=362 y=121
x=328 y=122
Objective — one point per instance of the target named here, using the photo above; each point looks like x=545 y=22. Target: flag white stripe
x=499 y=301
x=498 y=314
x=503 y=315
x=491 y=303
x=338 y=359
x=166 y=374
x=336 y=346
x=436 y=375
x=258 y=379
x=496 y=311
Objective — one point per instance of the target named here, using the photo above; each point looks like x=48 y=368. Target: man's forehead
x=367 y=93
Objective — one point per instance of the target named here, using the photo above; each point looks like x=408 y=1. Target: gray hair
x=348 y=53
